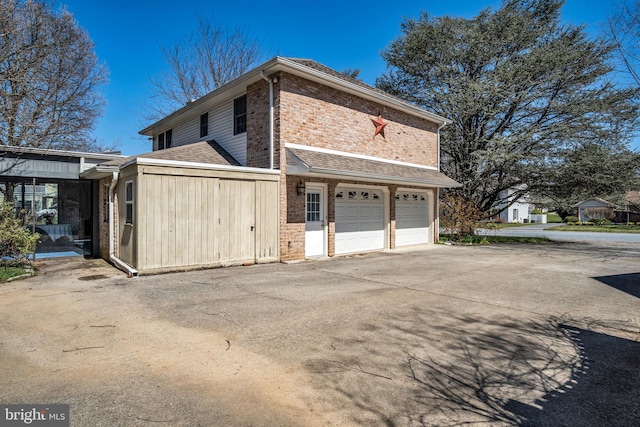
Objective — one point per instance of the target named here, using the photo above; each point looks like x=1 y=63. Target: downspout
x=131 y=272
x=270 y=117
x=436 y=226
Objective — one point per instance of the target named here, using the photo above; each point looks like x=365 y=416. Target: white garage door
x=412 y=218
x=359 y=220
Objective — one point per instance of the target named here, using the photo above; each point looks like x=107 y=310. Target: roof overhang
x=50 y=152
x=238 y=86
x=104 y=171
x=312 y=162
x=197 y=165
x=99 y=172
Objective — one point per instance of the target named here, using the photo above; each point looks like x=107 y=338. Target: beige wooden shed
x=173 y=214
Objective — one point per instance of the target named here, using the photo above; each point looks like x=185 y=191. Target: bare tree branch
x=204 y=60
x=49 y=76
x=624 y=32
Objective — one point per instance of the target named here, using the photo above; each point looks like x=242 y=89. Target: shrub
x=570 y=219
x=16 y=241
x=459 y=216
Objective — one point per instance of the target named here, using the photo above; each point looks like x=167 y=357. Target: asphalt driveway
x=441 y=335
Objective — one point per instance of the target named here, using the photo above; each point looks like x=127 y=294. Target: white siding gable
x=220 y=129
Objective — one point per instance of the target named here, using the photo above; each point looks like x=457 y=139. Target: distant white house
x=514 y=211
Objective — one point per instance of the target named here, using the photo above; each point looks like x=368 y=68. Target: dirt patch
x=92 y=277
x=113 y=360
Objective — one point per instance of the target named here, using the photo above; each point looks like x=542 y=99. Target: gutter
x=270 y=80
x=131 y=272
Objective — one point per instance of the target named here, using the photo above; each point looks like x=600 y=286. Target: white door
x=359 y=220
x=314 y=236
x=412 y=218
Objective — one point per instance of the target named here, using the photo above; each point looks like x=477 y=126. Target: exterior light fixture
x=300 y=188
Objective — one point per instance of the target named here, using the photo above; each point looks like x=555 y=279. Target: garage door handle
x=252 y=228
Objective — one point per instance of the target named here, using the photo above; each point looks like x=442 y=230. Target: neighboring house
x=633 y=201
x=514 y=210
x=292 y=160
x=594 y=208
x=630 y=212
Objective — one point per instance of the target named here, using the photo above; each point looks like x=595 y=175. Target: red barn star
x=379 y=124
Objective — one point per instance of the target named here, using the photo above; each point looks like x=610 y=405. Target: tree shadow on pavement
x=605 y=392
x=433 y=367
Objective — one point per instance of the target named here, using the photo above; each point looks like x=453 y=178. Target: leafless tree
x=49 y=78
x=204 y=60
x=624 y=31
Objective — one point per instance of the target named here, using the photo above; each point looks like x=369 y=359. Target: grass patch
x=7 y=271
x=487 y=240
x=600 y=228
x=553 y=217
x=500 y=225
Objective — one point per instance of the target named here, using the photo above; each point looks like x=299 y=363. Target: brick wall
x=258 y=124
x=103 y=195
x=320 y=116
x=292 y=221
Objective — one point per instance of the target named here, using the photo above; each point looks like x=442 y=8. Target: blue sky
x=340 y=34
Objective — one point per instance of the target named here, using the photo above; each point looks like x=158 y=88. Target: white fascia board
x=196 y=165
x=357 y=156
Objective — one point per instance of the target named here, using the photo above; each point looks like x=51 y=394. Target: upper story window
x=240 y=115
x=164 y=139
x=204 y=125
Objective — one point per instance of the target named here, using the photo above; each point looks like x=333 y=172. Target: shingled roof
x=330 y=71
x=200 y=152
x=347 y=166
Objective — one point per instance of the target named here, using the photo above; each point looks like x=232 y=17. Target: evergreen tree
x=521 y=89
